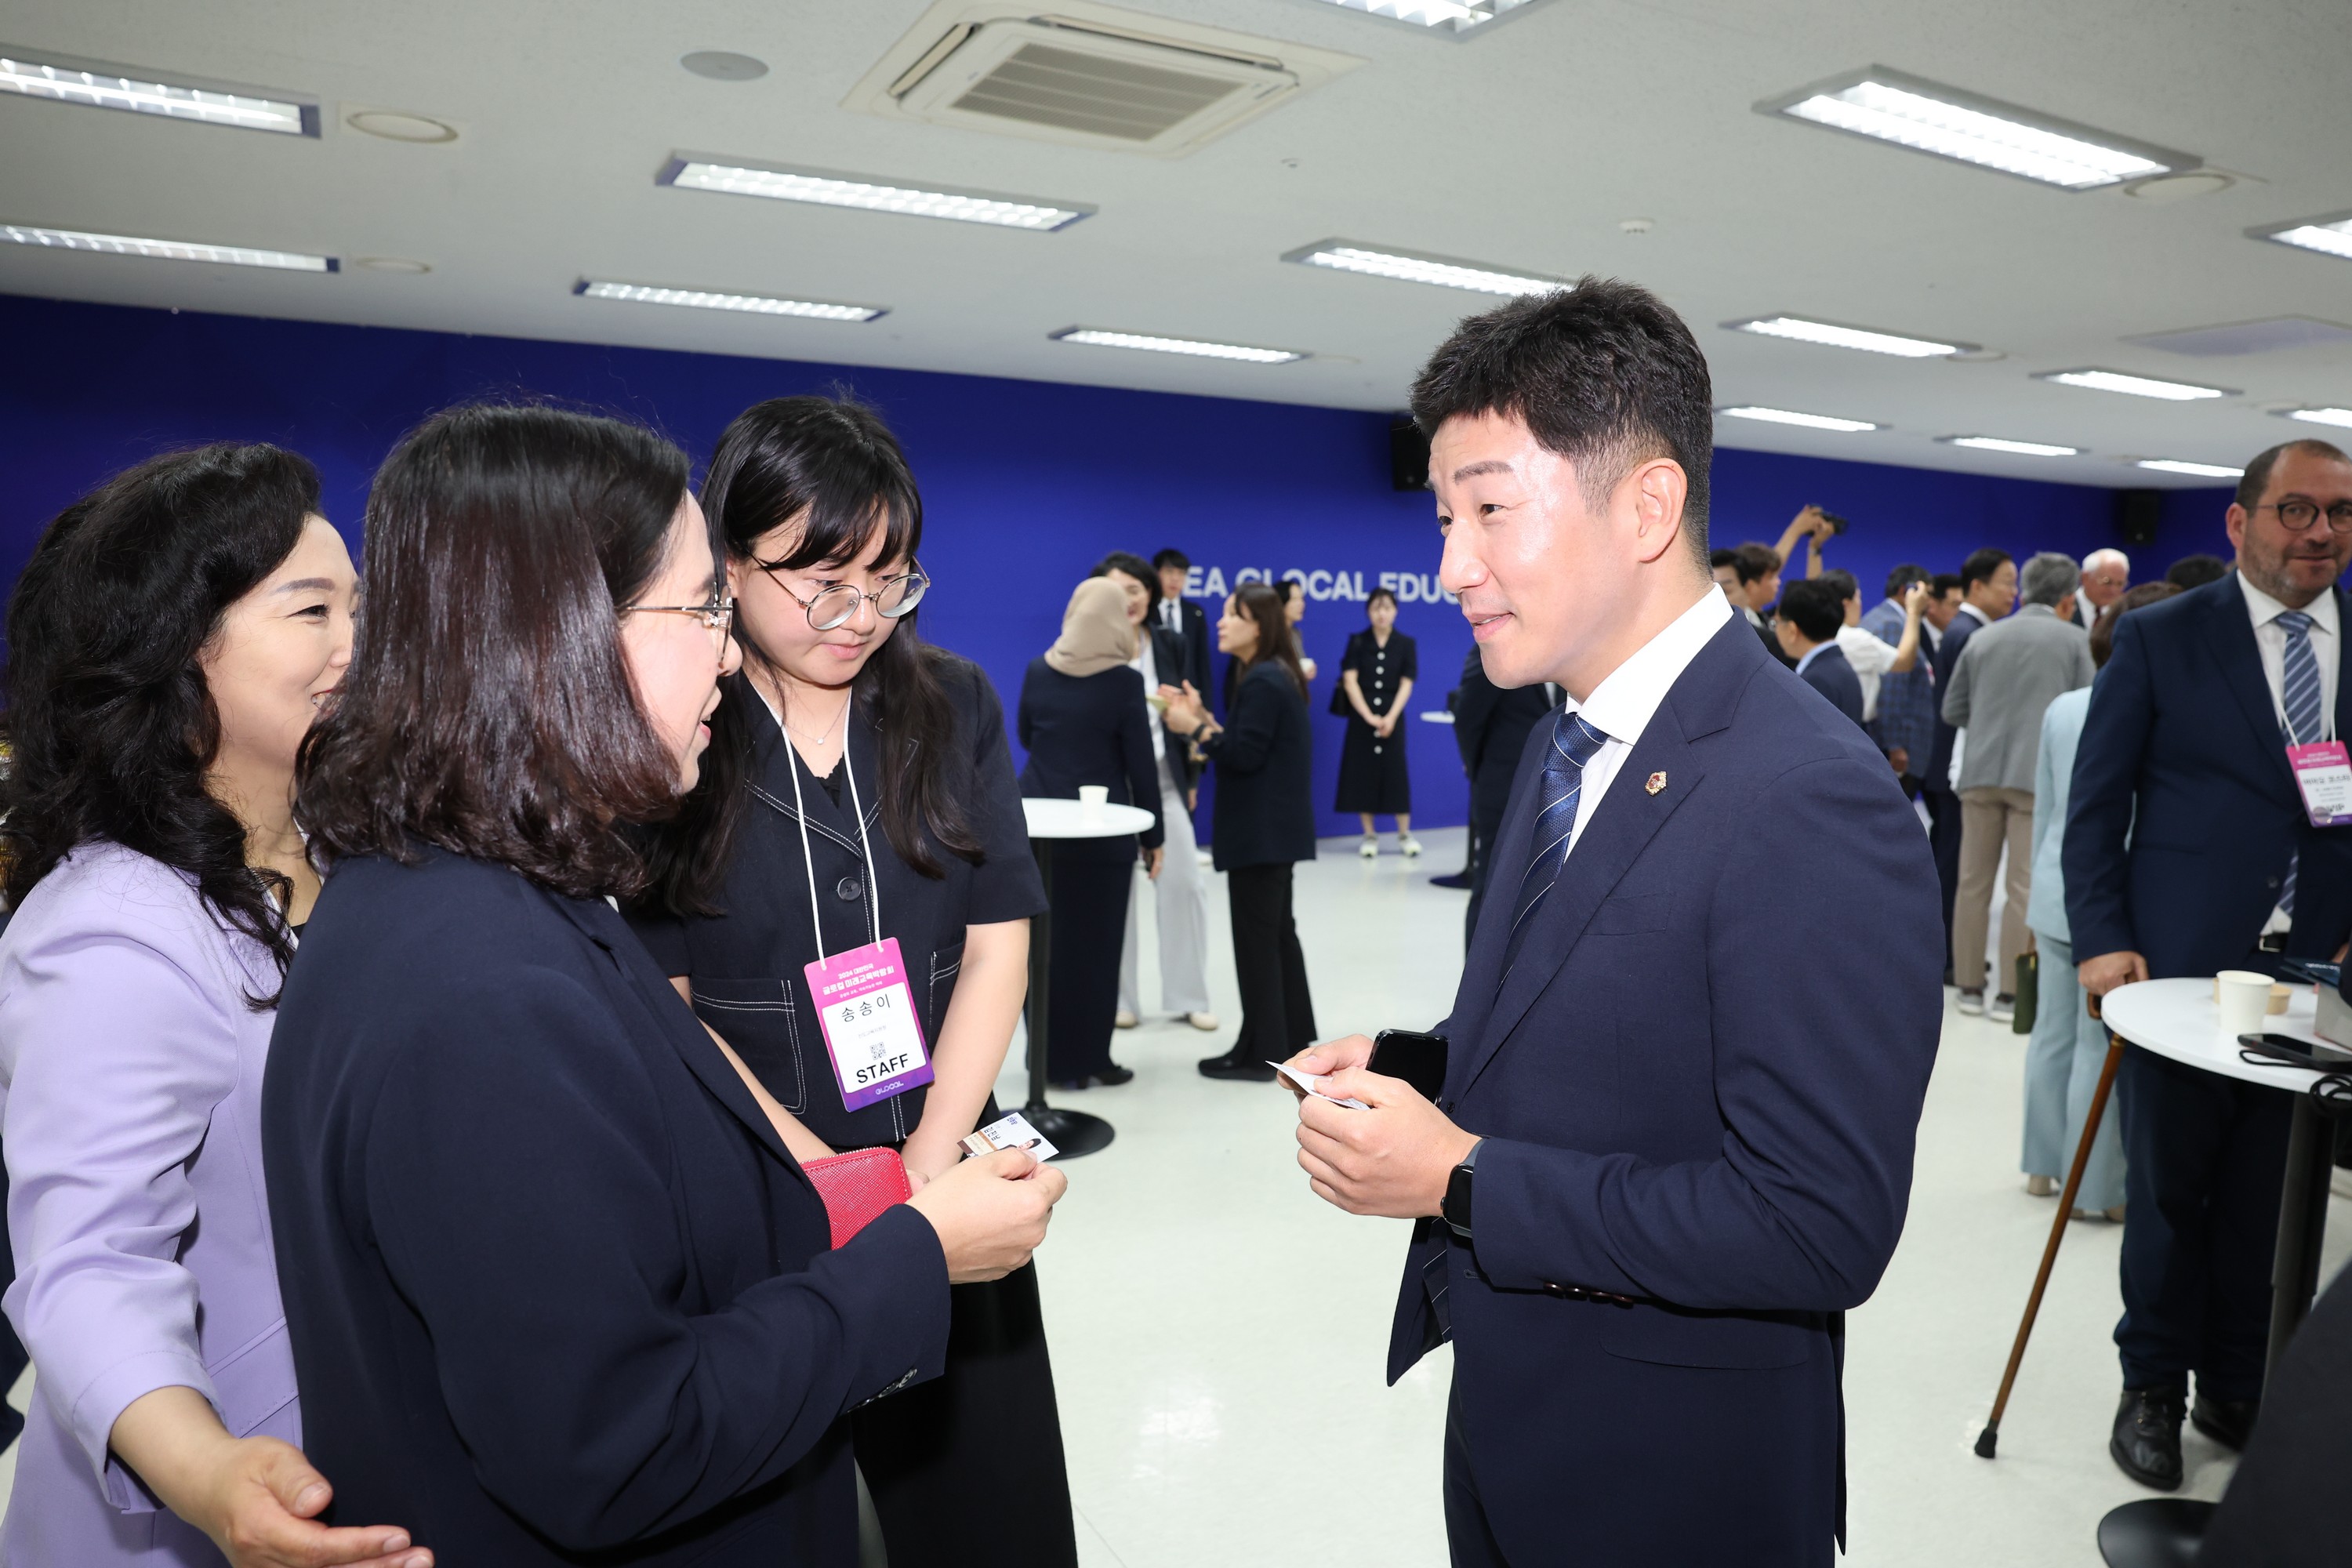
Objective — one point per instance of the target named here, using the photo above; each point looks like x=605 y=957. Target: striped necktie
x=1574 y=742
x=2299 y=695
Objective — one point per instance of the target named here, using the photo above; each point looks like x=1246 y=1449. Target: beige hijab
x=1096 y=632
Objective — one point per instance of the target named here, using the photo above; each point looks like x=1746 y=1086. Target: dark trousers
x=1089 y=897
x=11 y=1351
x=2281 y=1509
x=2204 y=1159
x=1277 y=1014
x=975 y=1455
x=1943 y=843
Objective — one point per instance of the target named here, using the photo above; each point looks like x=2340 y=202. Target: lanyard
x=800 y=815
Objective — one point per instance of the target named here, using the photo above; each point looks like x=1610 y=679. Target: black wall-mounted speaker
x=2136 y=515
x=1408 y=455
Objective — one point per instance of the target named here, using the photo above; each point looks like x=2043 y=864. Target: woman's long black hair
x=110 y=722
x=832 y=467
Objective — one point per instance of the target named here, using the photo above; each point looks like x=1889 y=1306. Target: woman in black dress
x=1084 y=721
x=1375 y=677
x=874 y=804
x=1263 y=822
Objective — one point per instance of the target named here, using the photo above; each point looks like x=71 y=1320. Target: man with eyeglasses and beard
x=2189 y=849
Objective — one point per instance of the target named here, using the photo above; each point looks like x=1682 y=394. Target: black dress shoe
x=1113 y=1074
x=1239 y=1068
x=1452 y=880
x=2146 y=1441
x=2229 y=1421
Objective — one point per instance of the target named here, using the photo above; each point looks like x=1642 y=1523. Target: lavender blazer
x=130 y=1115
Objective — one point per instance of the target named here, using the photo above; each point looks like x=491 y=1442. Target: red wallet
x=857 y=1186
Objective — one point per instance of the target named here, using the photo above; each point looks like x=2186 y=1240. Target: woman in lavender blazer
x=171 y=638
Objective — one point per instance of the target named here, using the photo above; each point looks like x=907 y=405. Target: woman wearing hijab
x=1084 y=721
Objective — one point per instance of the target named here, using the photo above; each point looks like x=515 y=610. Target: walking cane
x=1988 y=1439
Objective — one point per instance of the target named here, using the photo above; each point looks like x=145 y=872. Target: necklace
x=823 y=739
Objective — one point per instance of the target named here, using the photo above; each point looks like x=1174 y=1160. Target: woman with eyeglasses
x=858 y=795
x=555 y=1281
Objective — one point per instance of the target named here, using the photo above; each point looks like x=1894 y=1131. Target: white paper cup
x=2243 y=997
x=1092 y=798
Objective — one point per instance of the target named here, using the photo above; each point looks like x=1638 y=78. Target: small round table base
x=1073 y=1133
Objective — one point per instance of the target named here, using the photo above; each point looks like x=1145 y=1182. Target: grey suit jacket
x=2002 y=686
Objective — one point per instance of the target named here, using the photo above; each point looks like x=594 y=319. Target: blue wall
x=1025 y=484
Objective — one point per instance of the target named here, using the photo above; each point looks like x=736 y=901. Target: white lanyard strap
x=800 y=816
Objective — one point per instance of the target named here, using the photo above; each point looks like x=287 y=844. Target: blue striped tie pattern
x=1574 y=742
x=2300 y=698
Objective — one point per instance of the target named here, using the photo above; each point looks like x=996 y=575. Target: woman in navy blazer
x=1263 y=822
x=554 y=1282
x=1083 y=721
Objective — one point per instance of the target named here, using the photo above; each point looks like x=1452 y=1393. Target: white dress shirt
x=1871 y=658
x=1622 y=705
x=2326 y=646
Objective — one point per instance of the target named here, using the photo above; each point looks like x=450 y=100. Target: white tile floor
x=1218 y=1333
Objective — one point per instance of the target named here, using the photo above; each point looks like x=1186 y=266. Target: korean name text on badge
x=867 y=1014
x=2323 y=772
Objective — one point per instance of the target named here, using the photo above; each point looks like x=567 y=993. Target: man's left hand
x=1394 y=1160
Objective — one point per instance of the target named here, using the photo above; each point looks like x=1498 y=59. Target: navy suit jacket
x=1698 y=1086
x=2182 y=755
x=1938 y=776
x=1832 y=674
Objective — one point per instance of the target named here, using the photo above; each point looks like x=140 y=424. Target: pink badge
x=2323 y=771
x=867 y=1014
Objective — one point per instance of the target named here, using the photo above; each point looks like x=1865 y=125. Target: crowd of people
x=503 y=1064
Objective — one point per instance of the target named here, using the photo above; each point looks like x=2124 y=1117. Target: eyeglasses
x=833 y=606
x=2298 y=515
x=718 y=614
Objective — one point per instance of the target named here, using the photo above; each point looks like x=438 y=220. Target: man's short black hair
x=2257 y=477
x=2196 y=571
x=1815 y=608
x=1173 y=557
x=1842 y=581
x=1903 y=576
x=1715 y=558
x=1132 y=566
x=1944 y=582
x=1604 y=374
x=1754 y=563
x=1981 y=566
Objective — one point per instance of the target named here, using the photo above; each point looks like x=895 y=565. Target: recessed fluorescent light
x=710 y=299
x=166 y=249
x=698 y=174
x=2321 y=415
x=1455 y=16
x=1096 y=337
x=2134 y=386
x=2330 y=236
x=1831 y=335
x=1347 y=256
x=1789 y=416
x=101 y=88
x=2022 y=449
x=2201 y=470
x=1927 y=116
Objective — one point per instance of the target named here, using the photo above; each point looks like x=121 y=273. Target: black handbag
x=2029 y=990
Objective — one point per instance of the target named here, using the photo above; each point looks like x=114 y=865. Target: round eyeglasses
x=835 y=605
x=2299 y=514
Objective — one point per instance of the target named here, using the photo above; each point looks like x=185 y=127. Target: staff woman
x=1376 y=675
x=556 y=1285
x=1084 y=721
x=171 y=640
x=1263 y=824
x=859 y=794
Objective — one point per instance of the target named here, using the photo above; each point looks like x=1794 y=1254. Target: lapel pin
x=1657 y=782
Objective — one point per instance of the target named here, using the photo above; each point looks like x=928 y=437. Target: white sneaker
x=1370 y=848
x=1124 y=1019
x=1971 y=1003
x=1412 y=846
x=2003 y=1009
x=1204 y=1022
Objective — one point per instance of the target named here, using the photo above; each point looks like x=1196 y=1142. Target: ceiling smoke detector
x=1085 y=76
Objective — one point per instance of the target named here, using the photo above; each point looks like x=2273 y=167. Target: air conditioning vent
x=1086 y=75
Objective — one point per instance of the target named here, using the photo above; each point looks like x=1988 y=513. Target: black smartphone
x=1419 y=1059
x=1837 y=523
x=2300 y=1053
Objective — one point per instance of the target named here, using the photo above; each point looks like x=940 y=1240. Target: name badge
x=870 y=1027
x=2323 y=771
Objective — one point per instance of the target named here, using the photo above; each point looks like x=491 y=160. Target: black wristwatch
x=1456 y=1206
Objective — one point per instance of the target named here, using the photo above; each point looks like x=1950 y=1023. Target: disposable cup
x=2243 y=998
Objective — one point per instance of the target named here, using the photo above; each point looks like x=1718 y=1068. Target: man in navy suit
x=1673 y=1141
x=1988 y=592
x=2188 y=851
x=1176 y=614
x=1811 y=613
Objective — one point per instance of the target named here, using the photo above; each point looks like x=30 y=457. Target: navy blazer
x=557 y=1292
x=1265 y=811
x=1169 y=662
x=2182 y=811
x=1491 y=726
x=1830 y=673
x=1964 y=624
x=1197 y=641
x=1698 y=1086
x=1090 y=729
